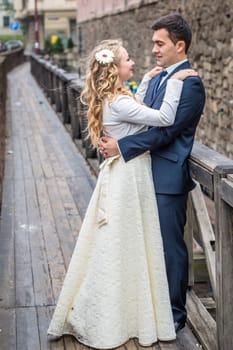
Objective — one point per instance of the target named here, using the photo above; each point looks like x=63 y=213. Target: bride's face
x=125 y=68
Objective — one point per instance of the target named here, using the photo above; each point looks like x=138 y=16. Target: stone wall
x=211 y=53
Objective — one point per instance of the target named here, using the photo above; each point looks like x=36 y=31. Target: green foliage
x=70 y=43
x=53 y=47
x=7 y=37
x=58 y=46
x=131 y=85
x=48 y=47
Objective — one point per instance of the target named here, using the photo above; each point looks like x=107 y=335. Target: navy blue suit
x=170 y=148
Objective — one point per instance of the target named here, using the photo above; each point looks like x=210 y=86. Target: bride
x=116 y=286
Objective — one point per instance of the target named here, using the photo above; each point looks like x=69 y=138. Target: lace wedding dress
x=116 y=287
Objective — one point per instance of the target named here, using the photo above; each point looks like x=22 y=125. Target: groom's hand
x=108 y=147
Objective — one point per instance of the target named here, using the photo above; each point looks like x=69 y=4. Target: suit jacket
x=171 y=146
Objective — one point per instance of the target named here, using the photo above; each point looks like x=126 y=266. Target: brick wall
x=211 y=53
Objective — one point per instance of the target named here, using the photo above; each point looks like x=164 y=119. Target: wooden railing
x=8 y=61
x=212 y=173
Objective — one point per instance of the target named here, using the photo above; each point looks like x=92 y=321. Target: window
x=6 y=21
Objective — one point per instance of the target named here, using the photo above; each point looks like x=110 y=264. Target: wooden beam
x=206 y=232
x=203 y=325
x=188 y=235
x=208 y=158
x=201 y=175
x=226 y=191
x=224 y=258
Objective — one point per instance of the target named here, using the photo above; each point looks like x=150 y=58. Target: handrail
x=8 y=61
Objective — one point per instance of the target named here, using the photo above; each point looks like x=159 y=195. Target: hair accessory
x=104 y=56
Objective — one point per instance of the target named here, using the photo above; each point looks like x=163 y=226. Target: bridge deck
x=47 y=187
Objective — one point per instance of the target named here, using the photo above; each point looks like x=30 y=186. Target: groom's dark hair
x=177 y=27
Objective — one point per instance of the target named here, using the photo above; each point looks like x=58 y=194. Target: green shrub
x=70 y=43
x=53 y=44
x=48 y=47
x=58 y=46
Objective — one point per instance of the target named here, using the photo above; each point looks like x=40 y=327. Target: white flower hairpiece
x=104 y=56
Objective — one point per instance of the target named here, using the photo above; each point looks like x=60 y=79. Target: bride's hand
x=155 y=71
x=184 y=73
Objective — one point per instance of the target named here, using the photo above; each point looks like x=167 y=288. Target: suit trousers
x=172 y=215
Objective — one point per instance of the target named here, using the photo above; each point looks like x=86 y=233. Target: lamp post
x=36 y=29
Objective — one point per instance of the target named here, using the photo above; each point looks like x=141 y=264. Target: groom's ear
x=180 y=46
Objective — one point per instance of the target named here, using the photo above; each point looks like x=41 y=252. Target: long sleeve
x=142 y=87
x=126 y=109
x=188 y=114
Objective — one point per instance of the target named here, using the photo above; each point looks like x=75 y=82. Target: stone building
x=6 y=17
x=210 y=53
x=54 y=17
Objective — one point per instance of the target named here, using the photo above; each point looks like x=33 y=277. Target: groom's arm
x=188 y=114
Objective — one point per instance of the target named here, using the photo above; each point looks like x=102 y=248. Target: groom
x=170 y=148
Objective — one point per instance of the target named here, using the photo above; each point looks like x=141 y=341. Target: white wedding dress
x=116 y=287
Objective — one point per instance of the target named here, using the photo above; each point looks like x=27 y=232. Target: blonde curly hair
x=100 y=86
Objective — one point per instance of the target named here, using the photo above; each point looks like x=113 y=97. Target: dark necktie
x=158 y=80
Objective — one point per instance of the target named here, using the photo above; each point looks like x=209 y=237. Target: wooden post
x=58 y=93
x=73 y=95
x=53 y=81
x=66 y=78
x=224 y=260
x=86 y=142
x=205 y=232
x=49 y=81
x=188 y=235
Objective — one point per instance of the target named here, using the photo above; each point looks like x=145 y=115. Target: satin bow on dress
x=104 y=193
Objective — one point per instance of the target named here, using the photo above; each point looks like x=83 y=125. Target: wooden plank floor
x=47 y=187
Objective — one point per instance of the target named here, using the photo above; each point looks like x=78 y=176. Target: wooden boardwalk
x=47 y=187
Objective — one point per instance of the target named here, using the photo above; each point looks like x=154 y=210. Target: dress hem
x=115 y=345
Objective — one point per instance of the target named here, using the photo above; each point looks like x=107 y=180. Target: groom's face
x=165 y=51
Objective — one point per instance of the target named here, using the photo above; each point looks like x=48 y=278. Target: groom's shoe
x=179 y=326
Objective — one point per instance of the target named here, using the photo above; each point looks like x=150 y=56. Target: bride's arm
x=125 y=108
x=142 y=87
